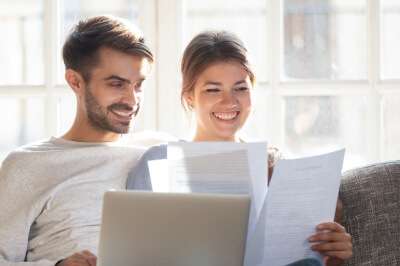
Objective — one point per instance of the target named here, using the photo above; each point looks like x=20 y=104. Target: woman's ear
x=190 y=101
x=75 y=81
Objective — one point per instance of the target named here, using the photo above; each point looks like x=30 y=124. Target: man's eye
x=116 y=85
x=242 y=89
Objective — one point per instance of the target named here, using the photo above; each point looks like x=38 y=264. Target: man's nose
x=131 y=97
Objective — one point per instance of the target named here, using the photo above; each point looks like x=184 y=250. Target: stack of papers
x=302 y=192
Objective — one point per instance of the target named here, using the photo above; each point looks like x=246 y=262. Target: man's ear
x=75 y=81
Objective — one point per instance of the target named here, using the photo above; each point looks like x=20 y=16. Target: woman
x=218 y=83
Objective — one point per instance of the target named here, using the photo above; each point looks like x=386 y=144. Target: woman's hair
x=207 y=48
x=81 y=48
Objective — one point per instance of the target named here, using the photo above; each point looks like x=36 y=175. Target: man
x=51 y=192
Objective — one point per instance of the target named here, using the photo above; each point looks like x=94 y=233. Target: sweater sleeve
x=36 y=263
x=18 y=212
x=139 y=175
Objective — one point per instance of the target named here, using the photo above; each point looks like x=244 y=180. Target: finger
x=77 y=256
x=330 y=236
x=332 y=246
x=85 y=258
x=342 y=255
x=329 y=261
x=87 y=252
x=90 y=257
x=331 y=226
x=74 y=262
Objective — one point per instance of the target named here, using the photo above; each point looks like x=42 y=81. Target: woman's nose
x=229 y=100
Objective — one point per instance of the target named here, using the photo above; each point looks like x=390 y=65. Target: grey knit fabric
x=371 y=213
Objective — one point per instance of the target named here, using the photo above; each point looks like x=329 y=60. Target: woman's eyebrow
x=215 y=83
x=240 y=82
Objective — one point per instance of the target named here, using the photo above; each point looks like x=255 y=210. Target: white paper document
x=215 y=167
x=302 y=192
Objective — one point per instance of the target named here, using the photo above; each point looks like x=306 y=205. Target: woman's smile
x=227 y=117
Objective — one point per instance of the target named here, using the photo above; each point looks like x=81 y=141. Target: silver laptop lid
x=148 y=228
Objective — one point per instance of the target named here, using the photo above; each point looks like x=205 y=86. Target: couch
x=371 y=212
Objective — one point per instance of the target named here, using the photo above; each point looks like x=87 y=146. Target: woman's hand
x=335 y=244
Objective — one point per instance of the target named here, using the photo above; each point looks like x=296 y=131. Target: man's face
x=115 y=91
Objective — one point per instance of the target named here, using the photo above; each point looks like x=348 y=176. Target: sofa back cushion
x=371 y=212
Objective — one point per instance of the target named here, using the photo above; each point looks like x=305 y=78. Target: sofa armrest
x=371 y=212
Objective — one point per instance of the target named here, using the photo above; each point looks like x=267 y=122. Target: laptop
x=148 y=228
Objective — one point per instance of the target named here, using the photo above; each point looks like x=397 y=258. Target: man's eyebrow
x=142 y=78
x=118 y=78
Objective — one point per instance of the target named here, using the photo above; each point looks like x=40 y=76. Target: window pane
x=247 y=19
x=324 y=39
x=66 y=113
x=319 y=124
x=390 y=42
x=21 y=46
x=74 y=10
x=390 y=127
x=23 y=123
x=257 y=124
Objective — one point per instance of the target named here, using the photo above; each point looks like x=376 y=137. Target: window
x=35 y=101
x=21 y=73
x=328 y=71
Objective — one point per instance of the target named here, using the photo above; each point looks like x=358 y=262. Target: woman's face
x=222 y=102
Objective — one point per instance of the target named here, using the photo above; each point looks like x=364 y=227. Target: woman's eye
x=212 y=90
x=242 y=89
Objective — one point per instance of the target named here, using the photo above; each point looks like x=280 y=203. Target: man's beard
x=97 y=115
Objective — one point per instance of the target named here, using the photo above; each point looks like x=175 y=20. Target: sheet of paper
x=158 y=170
x=232 y=176
x=215 y=167
x=226 y=172
x=302 y=193
x=257 y=163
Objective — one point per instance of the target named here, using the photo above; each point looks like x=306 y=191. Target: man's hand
x=335 y=244
x=86 y=258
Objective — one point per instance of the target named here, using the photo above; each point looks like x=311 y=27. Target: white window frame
x=373 y=87
x=162 y=23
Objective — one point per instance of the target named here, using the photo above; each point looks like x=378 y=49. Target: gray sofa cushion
x=371 y=212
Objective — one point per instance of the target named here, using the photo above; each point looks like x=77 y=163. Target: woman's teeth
x=225 y=116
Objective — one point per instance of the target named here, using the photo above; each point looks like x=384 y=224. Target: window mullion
x=148 y=24
x=373 y=118
x=275 y=116
x=51 y=22
x=169 y=51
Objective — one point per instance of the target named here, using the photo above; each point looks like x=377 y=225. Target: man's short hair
x=81 y=48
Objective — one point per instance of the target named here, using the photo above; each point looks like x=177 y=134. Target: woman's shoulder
x=155 y=152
